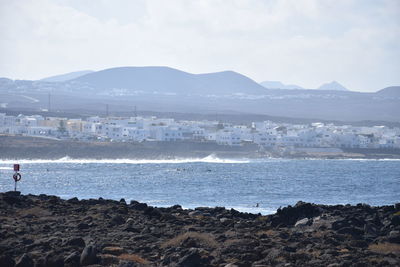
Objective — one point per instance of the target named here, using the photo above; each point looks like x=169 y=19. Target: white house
x=169 y=134
x=226 y=137
x=134 y=134
x=264 y=139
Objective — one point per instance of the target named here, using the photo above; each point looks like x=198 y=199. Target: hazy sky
x=305 y=42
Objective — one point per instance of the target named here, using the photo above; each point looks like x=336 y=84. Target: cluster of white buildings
x=266 y=134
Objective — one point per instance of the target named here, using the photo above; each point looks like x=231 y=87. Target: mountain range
x=332 y=86
x=169 y=80
x=164 y=89
x=140 y=77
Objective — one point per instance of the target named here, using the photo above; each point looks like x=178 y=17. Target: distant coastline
x=22 y=147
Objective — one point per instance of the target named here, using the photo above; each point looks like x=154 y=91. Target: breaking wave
x=208 y=159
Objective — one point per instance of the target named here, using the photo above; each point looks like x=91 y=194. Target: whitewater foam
x=208 y=159
x=6 y=168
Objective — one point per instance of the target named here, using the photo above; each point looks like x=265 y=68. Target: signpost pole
x=16 y=176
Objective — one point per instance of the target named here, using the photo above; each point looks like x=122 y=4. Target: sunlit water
x=238 y=184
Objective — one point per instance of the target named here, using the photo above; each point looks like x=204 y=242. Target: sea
x=247 y=185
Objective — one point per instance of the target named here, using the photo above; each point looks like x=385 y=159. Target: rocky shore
x=49 y=231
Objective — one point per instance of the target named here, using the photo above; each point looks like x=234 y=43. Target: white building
x=226 y=137
x=169 y=134
x=134 y=134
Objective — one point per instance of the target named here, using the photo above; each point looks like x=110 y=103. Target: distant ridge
x=333 y=86
x=169 y=80
x=390 y=91
x=163 y=89
x=66 y=76
x=279 y=85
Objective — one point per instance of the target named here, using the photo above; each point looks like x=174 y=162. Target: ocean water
x=238 y=184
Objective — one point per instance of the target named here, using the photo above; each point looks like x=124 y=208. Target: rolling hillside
x=169 y=80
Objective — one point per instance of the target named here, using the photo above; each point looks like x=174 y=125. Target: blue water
x=212 y=182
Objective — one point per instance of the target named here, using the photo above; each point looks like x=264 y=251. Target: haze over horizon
x=306 y=43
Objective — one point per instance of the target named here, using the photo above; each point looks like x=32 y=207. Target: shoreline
x=171 y=160
x=50 y=231
x=22 y=147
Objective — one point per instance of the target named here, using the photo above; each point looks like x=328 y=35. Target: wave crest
x=67 y=159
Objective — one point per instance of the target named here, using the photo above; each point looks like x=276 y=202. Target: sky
x=303 y=42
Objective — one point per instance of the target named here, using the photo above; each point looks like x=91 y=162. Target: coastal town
x=265 y=134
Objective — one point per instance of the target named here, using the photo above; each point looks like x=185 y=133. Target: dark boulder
x=89 y=255
x=137 y=205
x=176 y=207
x=73 y=200
x=288 y=216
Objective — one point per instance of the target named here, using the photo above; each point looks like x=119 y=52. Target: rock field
x=49 y=231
